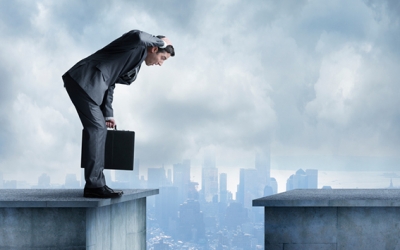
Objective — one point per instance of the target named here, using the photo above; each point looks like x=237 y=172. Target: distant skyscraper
x=274 y=185
x=193 y=193
x=136 y=169
x=262 y=164
x=223 y=188
x=71 y=181
x=1 y=180
x=236 y=215
x=12 y=184
x=181 y=179
x=123 y=176
x=268 y=190
x=249 y=188
x=303 y=180
x=128 y=179
x=312 y=178
x=209 y=183
x=191 y=222
x=166 y=208
x=169 y=176
x=156 y=177
x=44 y=181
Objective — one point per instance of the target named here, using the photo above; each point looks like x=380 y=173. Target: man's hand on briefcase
x=110 y=123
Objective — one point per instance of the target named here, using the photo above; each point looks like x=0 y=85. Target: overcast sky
x=317 y=82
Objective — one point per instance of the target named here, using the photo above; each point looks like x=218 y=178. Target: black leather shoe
x=101 y=192
x=113 y=190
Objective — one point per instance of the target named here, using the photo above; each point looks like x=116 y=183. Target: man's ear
x=154 y=49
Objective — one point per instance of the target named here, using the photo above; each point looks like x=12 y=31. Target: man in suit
x=90 y=84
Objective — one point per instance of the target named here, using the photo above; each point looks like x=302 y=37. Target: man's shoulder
x=133 y=36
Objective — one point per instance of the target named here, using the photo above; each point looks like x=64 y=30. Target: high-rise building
x=128 y=179
x=136 y=168
x=224 y=197
x=181 y=179
x=123 y=176
x=156 y=177
x=274 y=185
x=223 y=188
x=209 y=179
x=169 y=176
x=11 y=184
x=1 y=180
x=249 y=188
x=71 y=181
x=235 y=215
x=166 y=208
x=191 y=222
x=312 y=178
x=44 y=181
x=193 y=193
x=209 y=183
x=262 y=164
x=303 y=180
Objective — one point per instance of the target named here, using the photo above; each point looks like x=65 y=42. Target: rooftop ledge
x=332 y=198
x=64 y=198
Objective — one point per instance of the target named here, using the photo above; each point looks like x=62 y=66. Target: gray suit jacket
x=118 y=62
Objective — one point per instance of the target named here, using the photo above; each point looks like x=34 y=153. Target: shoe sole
x=101 y=197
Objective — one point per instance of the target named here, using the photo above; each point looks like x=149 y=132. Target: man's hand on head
x=110 y=123
x=167 y=41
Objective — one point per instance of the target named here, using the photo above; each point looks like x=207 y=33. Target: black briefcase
x=120 y=147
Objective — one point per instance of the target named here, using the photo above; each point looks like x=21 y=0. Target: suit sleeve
x=106 y=106
x=149 y=40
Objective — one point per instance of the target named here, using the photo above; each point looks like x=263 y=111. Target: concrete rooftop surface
x=332 y=198
x=64 y=197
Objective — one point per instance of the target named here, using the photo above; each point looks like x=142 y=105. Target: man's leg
x=94 y=134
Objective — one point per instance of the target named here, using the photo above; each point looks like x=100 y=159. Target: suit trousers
x=94 y=128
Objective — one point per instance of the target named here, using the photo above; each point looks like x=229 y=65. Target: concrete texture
x=332 y=198
x=63 y=197
x=28 y=228
x=298 y=225
x=48 y=223
x=370 y=227
x=329 y=222
x=121 y=226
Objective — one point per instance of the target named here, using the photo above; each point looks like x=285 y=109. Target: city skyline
x=338 y=179
x=181 y=214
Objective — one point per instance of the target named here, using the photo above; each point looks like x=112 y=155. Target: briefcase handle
x=115 y=128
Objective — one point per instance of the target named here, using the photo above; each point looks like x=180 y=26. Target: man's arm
x=106 y=107
x=151 y=41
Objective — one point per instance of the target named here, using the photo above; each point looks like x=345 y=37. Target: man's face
x=154 y=58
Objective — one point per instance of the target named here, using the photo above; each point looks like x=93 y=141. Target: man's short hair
x=169 y=49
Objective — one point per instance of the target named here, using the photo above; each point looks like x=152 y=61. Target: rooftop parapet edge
x=63 y=198
x=332 y=198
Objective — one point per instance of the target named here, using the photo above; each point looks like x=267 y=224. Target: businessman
x=90 y=84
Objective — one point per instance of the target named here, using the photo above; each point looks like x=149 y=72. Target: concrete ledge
x=332 y=198
x=64 y=219
x=63 y=197
x=332 y=219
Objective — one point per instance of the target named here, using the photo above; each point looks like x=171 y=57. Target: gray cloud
x=304 y=78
